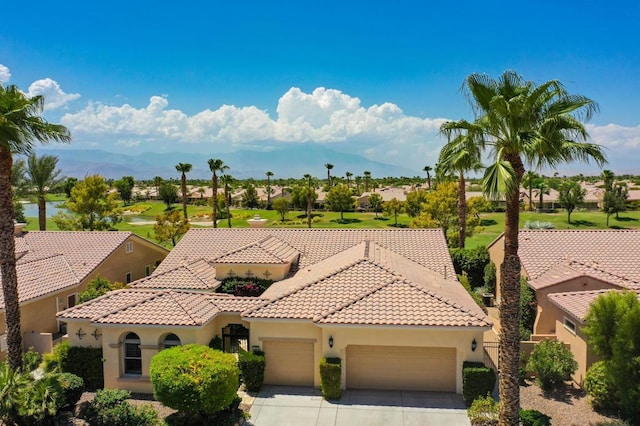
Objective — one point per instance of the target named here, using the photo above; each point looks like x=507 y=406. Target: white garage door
x=288 y=363
x=401 y=368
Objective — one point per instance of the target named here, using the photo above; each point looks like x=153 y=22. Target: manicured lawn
x=492 y=224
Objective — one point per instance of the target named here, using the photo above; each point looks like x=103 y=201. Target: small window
x=132 y=354
x=129 y=247
x=170 y=341
x=127 y=277
x=570 y=325
x=71 y=300
x=147 y=270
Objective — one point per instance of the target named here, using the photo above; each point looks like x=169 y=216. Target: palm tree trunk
x=184 y=196
x=214 y=187
x=309 y=209
x=462 y=212
x=42 y=213
x=8 y=262
x=227 y=202
x=530 y=195
x=509 y=350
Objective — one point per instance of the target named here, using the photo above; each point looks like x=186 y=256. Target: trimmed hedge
x=600 y=388
x=86 y=363
x=331 y=378
x=534 y=418
x=471 y=263
x=477 y=381
x=72 y=389
x=194 y=379
x=251 y=369
x=111 y=408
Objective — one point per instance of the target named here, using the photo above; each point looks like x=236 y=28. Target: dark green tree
x=339 y=199
x=250 y=198
x=168 y=193
x=125 y=188
x=571 y=195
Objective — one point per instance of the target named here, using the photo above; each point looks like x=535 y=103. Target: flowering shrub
x=245 y=286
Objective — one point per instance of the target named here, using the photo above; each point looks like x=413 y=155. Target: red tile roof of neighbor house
x=51 y=261
x=577 y=303
x=270 y=250
x=358 y=277
x=613 y=252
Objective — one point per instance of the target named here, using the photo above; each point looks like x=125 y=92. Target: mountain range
x=293 y=161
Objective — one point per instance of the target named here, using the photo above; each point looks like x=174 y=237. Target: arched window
x=132 y=354
x=170 y=341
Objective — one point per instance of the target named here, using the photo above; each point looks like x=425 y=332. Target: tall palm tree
x=428 y=169
x=20 y=127
x=216 y=165
x=157 y=182
x=542 y=189
x=518 y=121
x=461 y=154
x=184 y=168
x=227 y=181
x=348 y=175
x=529 y=180
x=310 y=187
x=367 y=176
x=42 y=173
x=329 y=167
x=268 y=189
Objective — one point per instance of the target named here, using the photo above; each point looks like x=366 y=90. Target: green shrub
x=194 y=379
x=216 y=343
x=331 y=378
x=490 y=277
x=552 y=363
x=475 y=296
x=72 y=389
x=471 y=262
x=84 y=362
x=30 y=360
x=534 y=418
x=600 y=389
x=484 y=411
x=251 y=370
x=240 y=286
x=477 y=380
x=111 y=408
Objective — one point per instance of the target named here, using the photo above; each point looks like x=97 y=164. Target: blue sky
x=371 y=77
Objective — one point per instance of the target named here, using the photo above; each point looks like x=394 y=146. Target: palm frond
x=499 y=179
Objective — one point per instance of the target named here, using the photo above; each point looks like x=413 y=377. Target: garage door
x=288 y=363
x=401 y=368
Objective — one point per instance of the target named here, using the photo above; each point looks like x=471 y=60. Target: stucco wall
x=270 y=272
x=578 y=344
x=496 y=254
x=548 y=313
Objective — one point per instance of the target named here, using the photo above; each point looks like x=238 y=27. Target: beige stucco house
x=568 y=269
x=385 y=301
x=53 y=267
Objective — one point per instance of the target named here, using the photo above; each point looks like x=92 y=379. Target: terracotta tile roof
x=158 y=307
x=269 y=250
x=570 y=269
x=198 y=275
x=426 y=247
x=576 y=303
x=404 y=303
x=43 y=276
x=611 y=251
x=83 y=250
x=372 y=290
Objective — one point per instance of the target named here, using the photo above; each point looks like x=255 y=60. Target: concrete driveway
x=301 y=406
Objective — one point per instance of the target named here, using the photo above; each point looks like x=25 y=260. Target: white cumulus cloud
x=53 y=94
x=5 y=74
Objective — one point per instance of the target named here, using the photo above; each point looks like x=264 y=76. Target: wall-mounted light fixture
x=474 y=345
x=330 y=341
x=97 y=334
x=80 y=333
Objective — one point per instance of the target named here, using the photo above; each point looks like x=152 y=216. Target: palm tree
x=460 y=154
x=542 y=189
x=358 y=180
x=184 y=168
x=157 y=182
x=329 y=166
x=310 y=187
x=20 y=127
x=367 y=176
x=348 y=175
x=518 y=120
x=268 y=189
x=42 y=174
x=528 y=180
x=227 y=181
x=216 y=165
x=428 y=169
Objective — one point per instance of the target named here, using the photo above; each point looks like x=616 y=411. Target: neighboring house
x=568 y=269
x=387 y=194
x=53 y=267
x=386 y=302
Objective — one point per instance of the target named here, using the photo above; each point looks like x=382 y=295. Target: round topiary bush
x=552 y=363
x=194 y=379
x=599 y=388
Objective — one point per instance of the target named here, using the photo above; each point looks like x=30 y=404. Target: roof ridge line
x=154 y=294
x=604 y=271
x=200 y=321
